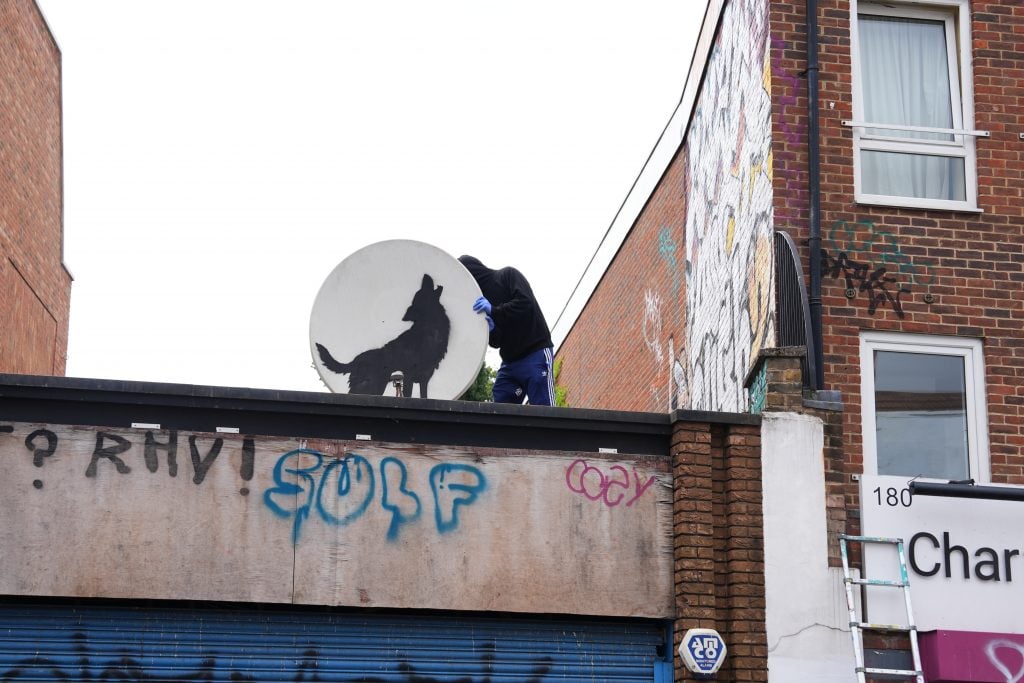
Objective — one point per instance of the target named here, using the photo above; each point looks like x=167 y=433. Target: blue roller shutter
x=99 y=643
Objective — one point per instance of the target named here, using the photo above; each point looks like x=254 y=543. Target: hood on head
x=473 y=265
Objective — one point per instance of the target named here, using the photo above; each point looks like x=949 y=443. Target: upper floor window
x=912 y=81
x=923 y=406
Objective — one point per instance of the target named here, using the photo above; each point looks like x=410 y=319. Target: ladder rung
x=891 y=672
x=883 y=627
x=870 y=539
x=879 y=582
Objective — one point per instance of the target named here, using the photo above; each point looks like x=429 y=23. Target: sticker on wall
x=396 y=317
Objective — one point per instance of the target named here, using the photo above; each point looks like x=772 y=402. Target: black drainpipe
x=814 y=244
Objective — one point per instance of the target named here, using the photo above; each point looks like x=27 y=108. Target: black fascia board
x=319 y=415
x=958 y=490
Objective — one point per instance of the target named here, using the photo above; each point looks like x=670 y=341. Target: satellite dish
x=398 y=306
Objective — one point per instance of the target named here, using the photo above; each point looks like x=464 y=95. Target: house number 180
x=894 y=497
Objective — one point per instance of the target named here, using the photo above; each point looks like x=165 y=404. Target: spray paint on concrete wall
x=729 y=294
x=172 y=515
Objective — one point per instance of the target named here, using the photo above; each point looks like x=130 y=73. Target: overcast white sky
x=221 y=157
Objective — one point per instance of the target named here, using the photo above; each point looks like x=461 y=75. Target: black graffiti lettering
x=6 y=429
x=540 y=666
x=130 y=664
x=877 y=283
x=120 y=667
x=39 y=453
x=171 y=446
x=248 y=459
x=121 y=444
x=201 y=465
x=310 y=662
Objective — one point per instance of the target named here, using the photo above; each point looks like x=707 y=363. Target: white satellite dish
x=398 y=306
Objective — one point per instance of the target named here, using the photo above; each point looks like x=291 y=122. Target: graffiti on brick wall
x=792 y=125
x=871 y=263
x=679 y=394
x=729 y=293
x=667 y=248
x=651 y=329
x=652 y=325
x=759 y=390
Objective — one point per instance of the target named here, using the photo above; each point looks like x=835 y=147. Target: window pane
x=921 y=415
x=925 y=176
x=905 y=72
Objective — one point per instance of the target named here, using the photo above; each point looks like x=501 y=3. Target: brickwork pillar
x=719 y=556
x=694 y=527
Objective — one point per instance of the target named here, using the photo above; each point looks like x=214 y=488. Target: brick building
x=203 y=533
x=35 y=284
x=780 y=254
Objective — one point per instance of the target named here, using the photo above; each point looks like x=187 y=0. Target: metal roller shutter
x=98 y=643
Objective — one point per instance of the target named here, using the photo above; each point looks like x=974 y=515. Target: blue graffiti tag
x=667 y=251
x=452 y=479
x=287 y=489
x=343 y=490
x=394 y=501
x=354 y=474
x=883 y=245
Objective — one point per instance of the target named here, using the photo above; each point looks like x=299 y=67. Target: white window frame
x=957 y=17
x=972 y=353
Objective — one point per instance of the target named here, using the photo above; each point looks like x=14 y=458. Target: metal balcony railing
x=792 y=311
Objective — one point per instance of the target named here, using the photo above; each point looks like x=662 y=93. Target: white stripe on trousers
x=550 y=358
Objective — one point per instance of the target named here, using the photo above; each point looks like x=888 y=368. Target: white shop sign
x=965 y=558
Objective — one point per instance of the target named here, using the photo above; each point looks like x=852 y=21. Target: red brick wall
x=35 y=288
x=970 y=264
x=617 y=355
x=719 y=543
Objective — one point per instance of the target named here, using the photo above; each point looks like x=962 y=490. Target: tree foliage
x=561 y=393
x=480 y=389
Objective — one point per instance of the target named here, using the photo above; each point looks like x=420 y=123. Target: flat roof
x=299 y=414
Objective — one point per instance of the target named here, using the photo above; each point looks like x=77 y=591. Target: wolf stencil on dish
x=417 y=352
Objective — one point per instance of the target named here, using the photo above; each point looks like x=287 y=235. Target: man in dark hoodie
x=519 y=332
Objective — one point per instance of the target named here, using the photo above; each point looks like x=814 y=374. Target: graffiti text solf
x=339 y=491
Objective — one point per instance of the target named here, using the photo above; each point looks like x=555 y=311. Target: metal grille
x=792 y=314
x=99 y=643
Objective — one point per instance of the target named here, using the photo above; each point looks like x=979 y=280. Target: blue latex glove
x=490 y=323
x=482 y=304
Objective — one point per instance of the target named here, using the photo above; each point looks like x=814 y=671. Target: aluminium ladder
x=858 y=627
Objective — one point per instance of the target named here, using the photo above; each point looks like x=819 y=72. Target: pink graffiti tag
x=595 y=484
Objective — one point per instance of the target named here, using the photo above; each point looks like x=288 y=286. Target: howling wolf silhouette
x=417 y=352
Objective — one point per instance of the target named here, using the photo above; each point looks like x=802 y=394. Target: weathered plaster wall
x=137 y=513
x=807 y=622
